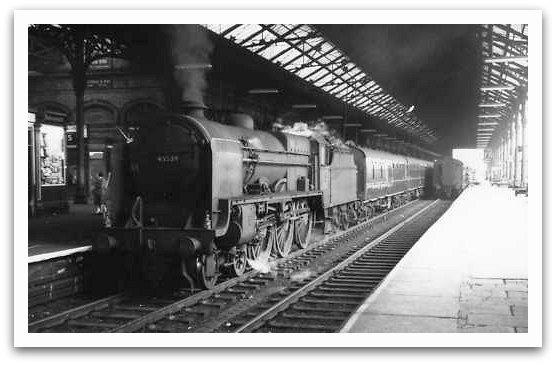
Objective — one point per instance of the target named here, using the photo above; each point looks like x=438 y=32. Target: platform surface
x=52 y=235
x=468 y=273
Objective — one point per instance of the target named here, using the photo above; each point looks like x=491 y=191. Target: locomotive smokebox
x=242 y=120
x=195 y=109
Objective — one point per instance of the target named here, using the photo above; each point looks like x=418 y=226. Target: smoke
x=320 y=129
x=302 y=275
x=263 y=265
x=191 y=49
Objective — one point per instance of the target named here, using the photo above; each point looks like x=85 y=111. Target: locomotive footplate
x=276 y=197
x=157 y=240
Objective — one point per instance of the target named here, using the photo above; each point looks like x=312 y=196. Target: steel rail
x=74 y=312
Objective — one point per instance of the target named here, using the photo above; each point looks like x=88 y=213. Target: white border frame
x=534 y=225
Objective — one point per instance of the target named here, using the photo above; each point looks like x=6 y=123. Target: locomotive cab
x=170 y=169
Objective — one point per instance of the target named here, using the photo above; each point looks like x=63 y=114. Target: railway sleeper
x=316 y=317
x=386 y=256
x=395 y=249
x=354 y=303
x=366 y=265
x=257 y=281
x=355 y=279
x=200 y=311
x=347 y=277
x=85 y=324
x=368 y=269
x=317 y=293
x=389 y=250
x=135 y=308
x=366 y=274
x=348 y=283
x=345 y=289
x=226 y=296
x=235 y=290
x=318 y=308
x=300 y=327
x=379 y=265
x=116 y=315
x=249 y=286
x=215 y=304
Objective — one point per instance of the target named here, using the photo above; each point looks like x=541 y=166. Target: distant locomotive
x=213 y=196
x=448 y=178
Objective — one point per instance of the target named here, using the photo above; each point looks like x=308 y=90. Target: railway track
x=235 y=303
x=326 y=302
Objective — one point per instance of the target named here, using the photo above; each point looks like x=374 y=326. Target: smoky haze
x=434 y=67
x=191 y=50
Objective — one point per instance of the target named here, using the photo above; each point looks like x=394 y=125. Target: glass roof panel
x=273 y=50
x=244 y=31
x=301 y=49
x=287 y=57
x=325 y=80
x=504 y=50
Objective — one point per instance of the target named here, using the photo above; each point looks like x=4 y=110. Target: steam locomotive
x=214 y=196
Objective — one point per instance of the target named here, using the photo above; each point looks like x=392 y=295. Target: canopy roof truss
x=305 y=52
x=504 y=49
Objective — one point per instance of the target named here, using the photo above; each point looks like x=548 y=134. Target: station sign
x=99 y=83
x=71 y=135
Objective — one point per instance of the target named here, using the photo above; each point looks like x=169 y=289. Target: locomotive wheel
x=239 y=263
x=260 y=251
x=351 y=216
x=303 y=228
x=370 y=212
x=344 y=221
x=283 y=238
x=207 y=271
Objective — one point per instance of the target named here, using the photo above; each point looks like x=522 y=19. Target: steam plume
x=191 y=49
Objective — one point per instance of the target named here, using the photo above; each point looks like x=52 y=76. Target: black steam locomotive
x=215 y=196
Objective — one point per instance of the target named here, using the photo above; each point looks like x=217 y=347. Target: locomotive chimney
x=242 y=120
x=193 y=109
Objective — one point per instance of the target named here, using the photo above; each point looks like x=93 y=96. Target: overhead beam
x=492 y=105
x=497 y=87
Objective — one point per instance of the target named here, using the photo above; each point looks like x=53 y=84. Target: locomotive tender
x=215 y=195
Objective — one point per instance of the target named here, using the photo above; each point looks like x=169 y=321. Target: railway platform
x=467 y=273
x=56 y=235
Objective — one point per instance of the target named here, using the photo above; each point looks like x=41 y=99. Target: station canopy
x=504 y=49
x=304 y=51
